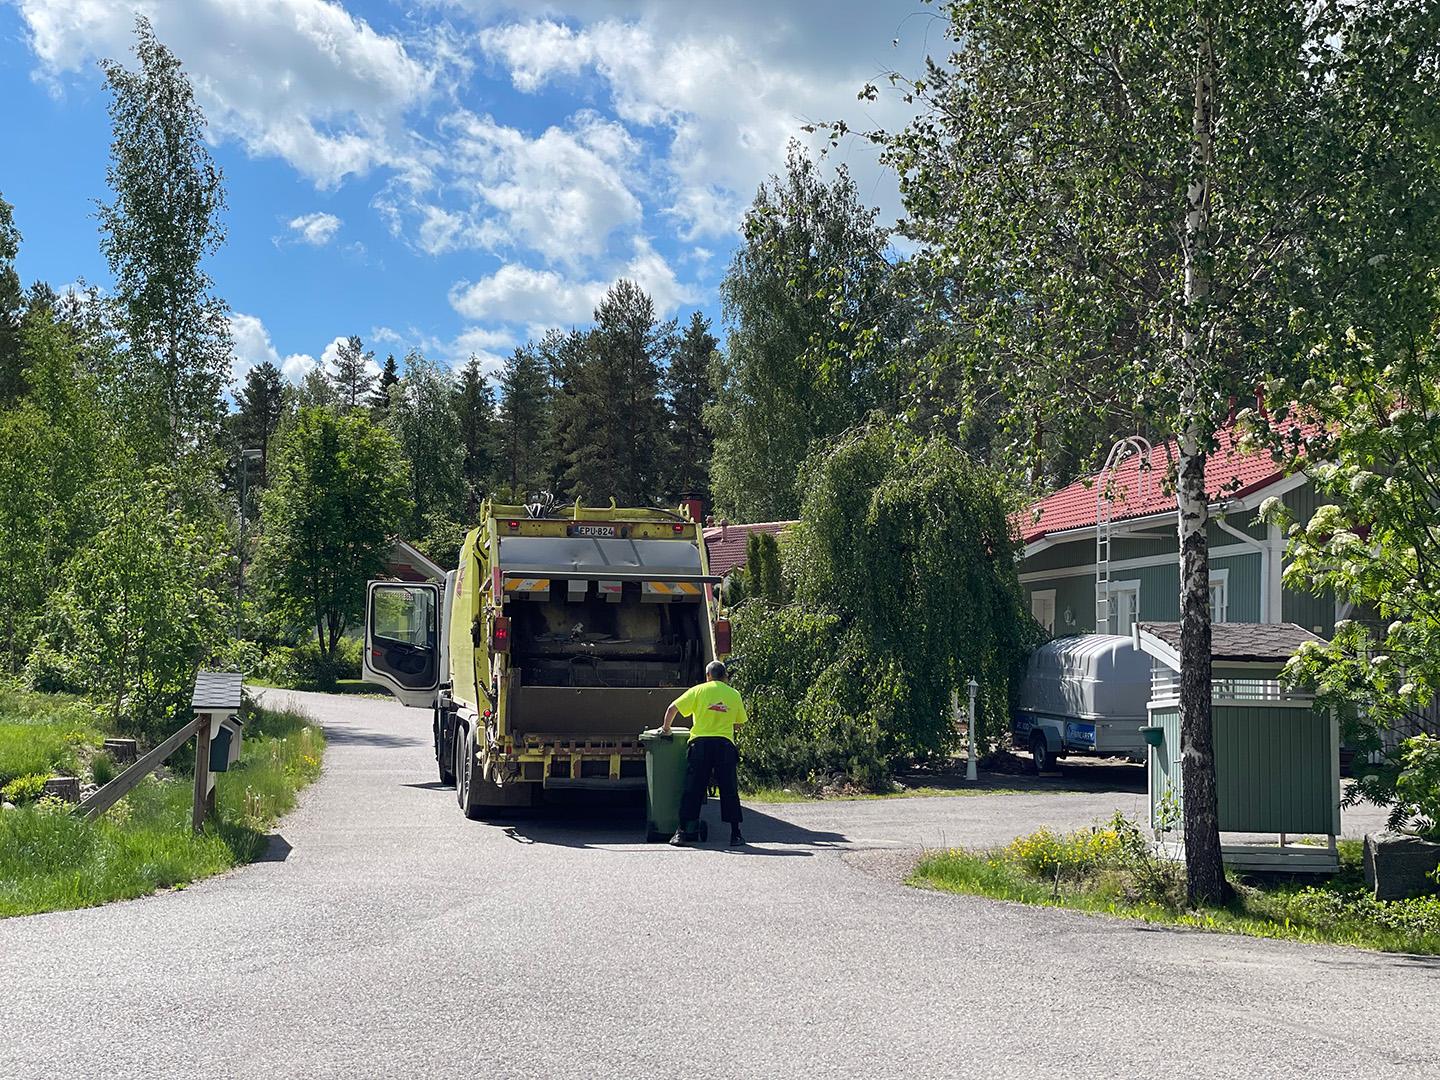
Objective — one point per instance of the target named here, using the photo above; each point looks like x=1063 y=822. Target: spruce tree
x=688 y=393
x=352 y=376
x=474 y=404
x=11 y=305
x=524 y=401
x=389 y=376
x=259 y=408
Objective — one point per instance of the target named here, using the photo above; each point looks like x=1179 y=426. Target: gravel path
x=390 y=937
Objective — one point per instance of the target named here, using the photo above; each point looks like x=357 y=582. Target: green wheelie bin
x=664 y=782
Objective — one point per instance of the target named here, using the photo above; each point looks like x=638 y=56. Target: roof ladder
x=1104 y=515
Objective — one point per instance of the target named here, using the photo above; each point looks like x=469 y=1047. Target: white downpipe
x=1263 y=547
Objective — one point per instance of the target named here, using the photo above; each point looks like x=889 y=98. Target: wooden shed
x=1277 y=756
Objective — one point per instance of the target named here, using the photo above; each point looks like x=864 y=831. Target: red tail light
x=500 y=634
x=678 y=528
x=722 y=637
x=513 y=524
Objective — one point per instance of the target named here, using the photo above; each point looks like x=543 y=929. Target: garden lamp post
x=970 y=765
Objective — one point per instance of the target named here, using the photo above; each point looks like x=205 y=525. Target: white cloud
x=253 y=347
x=300 y=79
x=540 y=299
x=316 y=229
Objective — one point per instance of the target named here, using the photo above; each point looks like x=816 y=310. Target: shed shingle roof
x=1241 y=642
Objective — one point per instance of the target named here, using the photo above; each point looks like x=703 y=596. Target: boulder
x=1398 y=866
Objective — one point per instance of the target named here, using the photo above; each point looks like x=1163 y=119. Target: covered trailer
x=1083 y=694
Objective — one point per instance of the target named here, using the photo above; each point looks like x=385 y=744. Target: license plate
x=592 y=530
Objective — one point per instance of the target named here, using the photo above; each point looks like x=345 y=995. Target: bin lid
x=655 y=735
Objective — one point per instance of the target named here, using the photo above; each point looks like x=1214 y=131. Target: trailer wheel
x=1040 y=751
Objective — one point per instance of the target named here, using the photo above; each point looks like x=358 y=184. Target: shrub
x=24 y=789
x=1417 y=788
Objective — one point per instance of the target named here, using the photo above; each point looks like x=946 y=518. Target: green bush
x=1417 y=788
x=300 y=667
x=24 y=789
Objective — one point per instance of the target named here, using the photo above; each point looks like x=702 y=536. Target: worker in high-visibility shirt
x=715 y=708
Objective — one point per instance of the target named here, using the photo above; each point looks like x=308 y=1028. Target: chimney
x=724 y=528
x=694 y=504
x=1231 y=418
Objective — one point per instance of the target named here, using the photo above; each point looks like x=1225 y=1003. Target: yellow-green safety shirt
x=715 y=709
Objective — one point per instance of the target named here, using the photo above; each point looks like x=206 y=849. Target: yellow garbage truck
x=556 y=640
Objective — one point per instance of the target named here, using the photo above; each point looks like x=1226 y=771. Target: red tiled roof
x=1230 y=473
x=725 y=544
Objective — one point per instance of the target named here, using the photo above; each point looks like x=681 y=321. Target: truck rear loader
x=555 y=641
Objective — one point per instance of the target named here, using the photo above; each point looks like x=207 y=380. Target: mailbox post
x=216 y=700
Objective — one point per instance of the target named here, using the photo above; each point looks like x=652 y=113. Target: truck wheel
x=444 y=751
x=478 y=797
x=1040 y=751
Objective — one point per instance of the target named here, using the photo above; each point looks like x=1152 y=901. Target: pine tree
x=352 y=376
x=524 y=401
x=389 y=376
x=422 y=417
x=688 y=394
x=573 y=427
x=474 y=404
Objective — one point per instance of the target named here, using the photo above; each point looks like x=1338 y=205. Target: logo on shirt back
x=719 y=706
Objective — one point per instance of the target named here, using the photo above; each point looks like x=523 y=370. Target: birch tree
x=1147 y=211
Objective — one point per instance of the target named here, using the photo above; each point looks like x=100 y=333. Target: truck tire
x=480 y=798
x=444 y=751
x=1040 y=751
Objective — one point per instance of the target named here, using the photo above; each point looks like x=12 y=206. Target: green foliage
x=904 y=568
x=908 y=541
x=814 y=326
x=304 y=667
x=762 y=569
x=423 y=420
x=807 y=701
x=138 y=607
x=11 y=383
x=688 y=394
x=336 y=499
x=474 y=404
x=163 y=222
x=352 y=378
x=524 y=426
x=1417 y=788
x=51 y=860
x=24 y=789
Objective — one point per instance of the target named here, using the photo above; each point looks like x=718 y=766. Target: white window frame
x=1044 y=595
x=1220 y=586
x=1118 y=588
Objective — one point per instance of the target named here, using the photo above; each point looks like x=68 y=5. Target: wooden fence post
x=202 y=774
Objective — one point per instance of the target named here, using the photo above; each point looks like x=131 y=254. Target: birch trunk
x=1205 y=873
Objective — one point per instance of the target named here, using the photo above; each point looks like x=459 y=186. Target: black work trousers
x=707 y=756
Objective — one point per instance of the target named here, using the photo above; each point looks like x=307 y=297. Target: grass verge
x=1102 y=872
x=50 y=860
x=43 y=734
x=342 y=686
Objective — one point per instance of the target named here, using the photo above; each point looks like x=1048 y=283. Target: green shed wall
x=1274 y=768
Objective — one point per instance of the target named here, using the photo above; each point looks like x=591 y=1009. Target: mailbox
x=225 y=743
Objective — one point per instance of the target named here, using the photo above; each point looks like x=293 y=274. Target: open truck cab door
x=402 y=640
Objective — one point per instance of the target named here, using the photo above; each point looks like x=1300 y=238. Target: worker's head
x=715 y=671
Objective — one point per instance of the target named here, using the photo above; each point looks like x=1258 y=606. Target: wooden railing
x=122 y=785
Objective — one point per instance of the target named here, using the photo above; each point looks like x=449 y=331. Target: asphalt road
x=390 y=937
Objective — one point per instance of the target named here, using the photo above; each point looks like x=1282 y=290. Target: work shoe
x=679 y=839
x=736 y=840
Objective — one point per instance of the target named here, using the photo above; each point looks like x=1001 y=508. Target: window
x=1220 y=596
x=1042 y=606
x=1124 y=607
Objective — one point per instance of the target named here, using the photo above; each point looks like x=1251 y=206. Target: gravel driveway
x=390 y=937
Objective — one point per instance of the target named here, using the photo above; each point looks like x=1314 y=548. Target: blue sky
x=452 y=175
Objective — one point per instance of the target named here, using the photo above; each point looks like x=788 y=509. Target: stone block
x=1398 y=866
